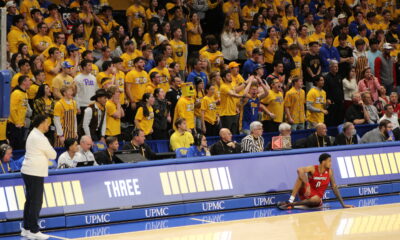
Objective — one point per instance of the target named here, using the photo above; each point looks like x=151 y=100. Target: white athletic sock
x=291 y=199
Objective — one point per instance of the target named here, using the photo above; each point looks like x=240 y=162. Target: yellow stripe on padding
x=190 y=180
x=392 y=162
x=69 y=195
x=77 y=189
x=165 y=183
x=48 y=190
x=378 y=164
x=397 y=155
x=199 y=180
x=20 y=193
x=59 y=194
x=371 y=165
x=207 y=179
x=182 y=181
x=364 y=165
x=385 y=163
x=357 y=167
x=174 y=182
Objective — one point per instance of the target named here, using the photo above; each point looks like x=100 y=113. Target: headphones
x=197 y=139
x=3 y=150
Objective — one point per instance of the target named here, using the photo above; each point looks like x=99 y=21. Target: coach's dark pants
x=34 y=199
x=212 y=129
x=230 y=122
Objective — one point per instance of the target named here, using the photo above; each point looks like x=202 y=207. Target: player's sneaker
x=24 y=232
x=284 y=205
x=38 y=236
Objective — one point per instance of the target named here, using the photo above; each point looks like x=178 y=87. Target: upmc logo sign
x=196 y=180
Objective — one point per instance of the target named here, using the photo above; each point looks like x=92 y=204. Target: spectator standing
x=328 y=53
x=162 y=115
x=273 y=107
x=94 y=117
x=19 y=110
x=251 y=64
x=179 y=50
x=86 y=86
x=63 y=79
x=295 y=101
x=254 y=142
x=209 y=113
x=385 y=69
x=230 y=40
x=44 y=105
x=34 y=170
x=346 y=55
x=18 y=35
x=373 y=53
x=335 y=96
x=145 y=115
x=369 y=83
x=349 y=87
x=316 y=103
x=136 y=82
x=312 y=65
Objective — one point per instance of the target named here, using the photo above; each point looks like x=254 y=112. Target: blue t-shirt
x=194 y=74
x=250 y=112
x=194 y=152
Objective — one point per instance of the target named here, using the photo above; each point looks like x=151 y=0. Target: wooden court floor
x=376 y=222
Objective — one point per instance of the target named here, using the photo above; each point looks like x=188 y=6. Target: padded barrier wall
x=173 y=187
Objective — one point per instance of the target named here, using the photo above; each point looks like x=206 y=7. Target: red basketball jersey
x=318 y=182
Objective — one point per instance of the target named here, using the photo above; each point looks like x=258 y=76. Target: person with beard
x=283 y=56
x=379 y=134
x=334 y=95
x=348 y=136
x=385 y=68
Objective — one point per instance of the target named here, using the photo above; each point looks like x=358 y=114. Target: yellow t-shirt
x=32 y=91
x=179 y=52
x=199 y=95
x=48 y=66
x=349 y=41
x=18 y=107
x=249 y=12
x=62 y=106
x=179 y=140
x=151 y=87
x=236 y=81
x=150 y=14
x=317 y=98
x=128 y=58
x=40 y=41
x=26 y=7
x=165 y=77
x=57 y=27
x=113 y=125
x=295 y=101
x=320 y=38
x=252 y=44
x=139 y=81
x=145 y=123
x=88 y=27
x=269 y=57
x=14 y=80
x=120 y=83
x=227 y=6
x=3 y=129
x=275 y=103
x=193 y=38
x=185 y=109
x=209 y=106
x=59 y=81
x=371 y=26
x=228 y=103
x=215 y=60
x=297 y=71
x=134 y=11
x=303 y=41
x=100 y=76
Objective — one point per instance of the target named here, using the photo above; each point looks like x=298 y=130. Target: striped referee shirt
x=251 y=144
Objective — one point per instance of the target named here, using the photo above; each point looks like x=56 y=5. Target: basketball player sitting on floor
x=311 y=185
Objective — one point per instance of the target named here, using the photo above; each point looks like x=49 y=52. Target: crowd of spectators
x=249 y=67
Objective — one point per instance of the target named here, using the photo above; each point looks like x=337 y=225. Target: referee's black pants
x=34 y=198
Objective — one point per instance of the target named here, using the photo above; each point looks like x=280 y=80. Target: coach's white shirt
x=38 y=153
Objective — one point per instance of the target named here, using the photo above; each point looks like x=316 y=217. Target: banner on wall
x=132 y=187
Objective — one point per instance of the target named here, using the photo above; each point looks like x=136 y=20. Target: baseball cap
x=72 y=47
x=233 y=64
x=342 y=15
x=10 y=4
x=66 y=64
x=387 y=46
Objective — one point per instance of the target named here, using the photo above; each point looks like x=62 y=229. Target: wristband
x=307 y=184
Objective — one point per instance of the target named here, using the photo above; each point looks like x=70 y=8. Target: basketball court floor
x=373 y=218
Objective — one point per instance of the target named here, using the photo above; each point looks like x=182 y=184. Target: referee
x=34 y=169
